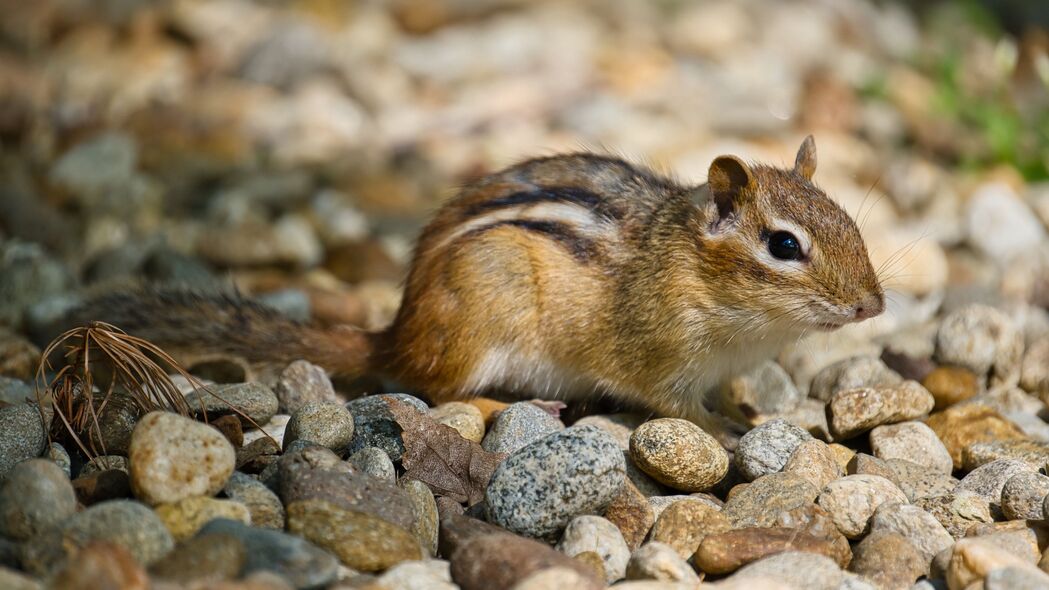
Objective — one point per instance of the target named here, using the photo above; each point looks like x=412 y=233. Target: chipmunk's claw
x=552 y=407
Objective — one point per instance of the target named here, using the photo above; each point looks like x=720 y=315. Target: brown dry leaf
x=439 y=457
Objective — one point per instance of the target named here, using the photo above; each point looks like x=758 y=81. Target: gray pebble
x=426 y=522
x=519 y=425
x=852 y=500
x=375 y=463
x=301 y=563
x=1016 y=578
x=915 y=524
x=911 y=441
x=957 y=511
x=328 y=424
x=104 y=463
x=15 y=391
x=123 y=522
x=796 y=570
x=984 y=340
x=594 y=533
x=918 y=481
x=763 y=391
x=35 y=497
x=253 y=400
x=765 y=449
x=22 y=436
x=1023 y=495
x=60 y=456
x=988 y=480
x=302 y=382
x=374 y=426
x=659 y=561
x=852 y=373
x=539 y=489
x=264 y=505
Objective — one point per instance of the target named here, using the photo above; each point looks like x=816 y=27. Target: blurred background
x=296 y=147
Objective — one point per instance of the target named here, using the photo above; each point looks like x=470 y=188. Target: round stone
x=328 y=424
x=425 y=518
x=185 y=517
x=679 y=454
x=301 y=563
x=1023 y=496
x=129 y=524
x=36 y=496
x=538 y=490
x=375 y=463
x=465 y=418
x=852 y=373
x=300 y=383
x=173 y=458
x=815 y=461
x=592 y=533
x=265 y=507
x=660 y=562
x=912 y=441
x=852 y=500
x=920 y=528
x=22 y=435
x=375 y=426
x=762 y=501
x=983 y=340
x=765 y=449
x=683 y=525
x=251 y=402
x=519 y=425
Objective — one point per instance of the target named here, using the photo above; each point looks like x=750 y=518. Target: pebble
x=255 y=402
x=763 y=391
x=918 y=481
x=972 y=559
x=1034 y=368
x=374 y=425
x=59 y=456
x=594 y=533
x=658 y=561
x=766 y=448
x=431 y=574
x=852 y=373
x=683 y=525
x=852 y=500
x=632 y=515
x=1015 y=578
x=465 y=418
x=172 y=458
x=957 y=511
x=679 y=454
x=963 y=425
x=725 y=552
x=536 y=491
x=116 y=423
x=855 y=411
x=1023 y=496
x=208 y=557
x=22 y=436
x=888 y=560
x=105 y=463
x=375 y=463
x=920 y=528
x=950 y=385
x=185 y=517
x=988 y=480
x=794 y=569
x=983 y=340
x=814 y=461
x=264 y=505
x=100 y=565
x=35 y=497
x=295 y=559
x=1034 y=453
x=999 y=223
x=15 y=391
x=365 y=522
x=1017 y=537
x=518 y=426
x=19 y=359
x=128 y=524
x=14 y=580
x=426 y=520
x=328 y=424
x=761 y=502
x=100 y=486
x=486 y=558
x=620 y=426
x=913 y=441
x=300 y=383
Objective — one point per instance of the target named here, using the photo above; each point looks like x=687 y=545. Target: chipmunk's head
x=782 y=251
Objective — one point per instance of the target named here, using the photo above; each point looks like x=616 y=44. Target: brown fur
x=661 y=292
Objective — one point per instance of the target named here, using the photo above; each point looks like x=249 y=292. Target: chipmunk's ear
x=805 y=162
x=731 y=182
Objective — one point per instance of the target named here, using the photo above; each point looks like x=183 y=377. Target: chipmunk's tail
x=197 y=324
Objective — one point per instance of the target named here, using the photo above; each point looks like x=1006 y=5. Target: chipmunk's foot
x=552 y=407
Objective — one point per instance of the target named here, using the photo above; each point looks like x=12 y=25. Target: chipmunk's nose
x=871 y=306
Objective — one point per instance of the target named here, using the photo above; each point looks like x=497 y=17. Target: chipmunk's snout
x=869 y=307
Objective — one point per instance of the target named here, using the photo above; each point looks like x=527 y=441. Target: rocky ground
x=294 y=149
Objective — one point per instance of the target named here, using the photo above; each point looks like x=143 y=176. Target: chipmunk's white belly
x=508 y=368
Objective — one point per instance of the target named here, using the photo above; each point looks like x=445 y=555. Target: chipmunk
x=573 y=276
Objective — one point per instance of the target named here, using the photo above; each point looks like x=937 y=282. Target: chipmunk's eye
x=784 y=245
